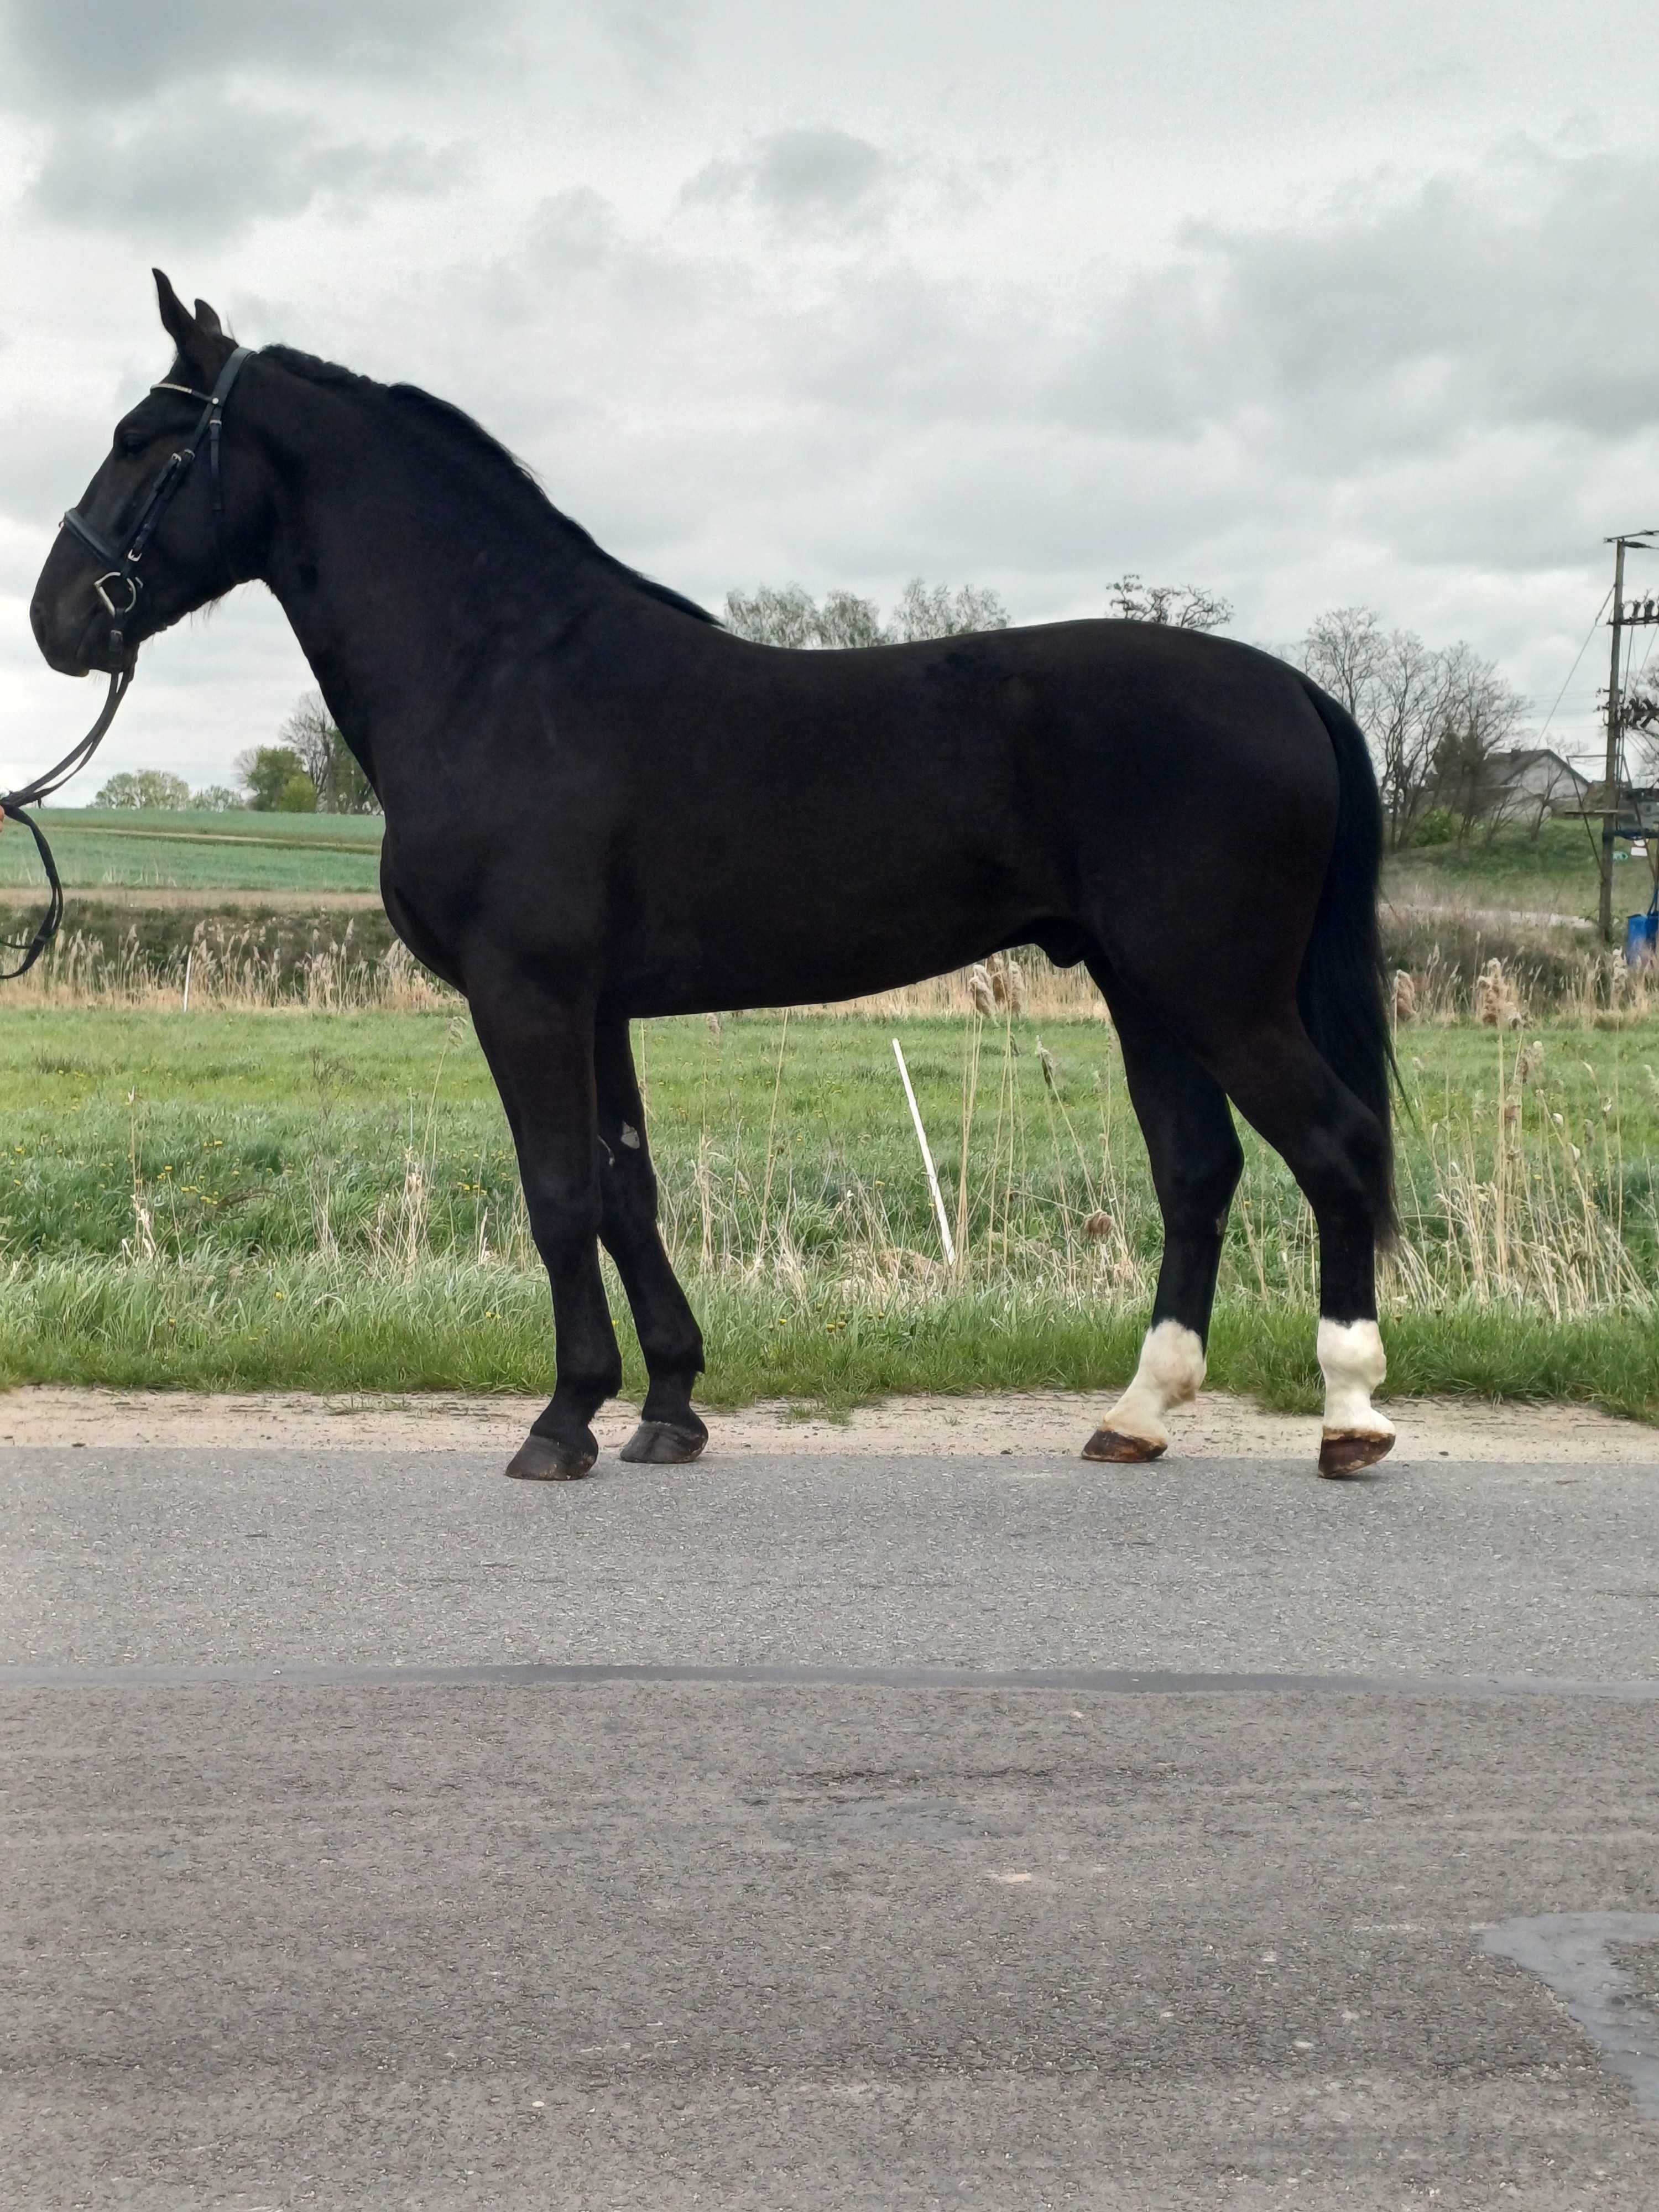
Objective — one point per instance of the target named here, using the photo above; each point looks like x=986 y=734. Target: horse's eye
x=128 y=442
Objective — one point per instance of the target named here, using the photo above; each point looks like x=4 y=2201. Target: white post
x=190 y=953
x=927 y=1158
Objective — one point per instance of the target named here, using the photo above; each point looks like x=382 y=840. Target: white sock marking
x=1351 y=1360
x=1171 y=1371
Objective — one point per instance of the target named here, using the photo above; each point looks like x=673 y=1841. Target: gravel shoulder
x=1218 y=1427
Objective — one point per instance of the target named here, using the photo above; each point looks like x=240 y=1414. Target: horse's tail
x=1341 y=989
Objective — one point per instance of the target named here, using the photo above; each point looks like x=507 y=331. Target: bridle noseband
x=121 y=570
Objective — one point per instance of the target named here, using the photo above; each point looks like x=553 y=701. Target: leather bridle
x=119 y=569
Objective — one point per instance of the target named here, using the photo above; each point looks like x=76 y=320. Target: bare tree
x=1346 y=652
x=1400 y=716
x=845 y=621
x=1390 y=682
x=1183 y=606
x=1435 y=719
x=1385 y=679
x=787 y=616
x=770 y=615
x=935 y=610
x=1478 y=716
x=340 y=784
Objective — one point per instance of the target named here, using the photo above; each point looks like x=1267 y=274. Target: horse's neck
x=393 y=578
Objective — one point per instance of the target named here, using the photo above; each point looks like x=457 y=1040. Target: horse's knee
x=564 y=1215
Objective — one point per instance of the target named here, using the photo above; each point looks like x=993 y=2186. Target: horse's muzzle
x=73 y=629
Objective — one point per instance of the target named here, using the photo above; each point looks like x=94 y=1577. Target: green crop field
x=329 y=1201
x=185 y=850
x=1553 y=873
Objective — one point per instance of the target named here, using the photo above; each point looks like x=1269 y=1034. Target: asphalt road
x=871 y=1831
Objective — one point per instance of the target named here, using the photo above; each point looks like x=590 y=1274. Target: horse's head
x=166 y=525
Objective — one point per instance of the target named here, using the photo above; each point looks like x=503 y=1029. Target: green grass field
x=140 y=849
x=330 y=1201
x=1554 y=873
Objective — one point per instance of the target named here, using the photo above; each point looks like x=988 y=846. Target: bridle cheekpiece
x=121 y=570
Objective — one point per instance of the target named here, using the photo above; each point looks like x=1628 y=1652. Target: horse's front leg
x=541 y=1053
x=668 y=1430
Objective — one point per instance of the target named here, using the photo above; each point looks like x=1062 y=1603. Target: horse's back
x=1079 y=740
x=855 y=819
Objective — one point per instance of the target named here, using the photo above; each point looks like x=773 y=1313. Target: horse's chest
x=418 y=921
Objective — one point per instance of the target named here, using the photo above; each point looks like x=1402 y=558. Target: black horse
x=600 y=805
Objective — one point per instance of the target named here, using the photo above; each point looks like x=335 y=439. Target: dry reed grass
x=1595 y=990
x=1449 y=965
x=1503 y=1208
x=1454 y=961
x=230 y=970
x=1002 y=987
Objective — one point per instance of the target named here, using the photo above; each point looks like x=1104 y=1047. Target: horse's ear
x=195 y=342
x=209 y=321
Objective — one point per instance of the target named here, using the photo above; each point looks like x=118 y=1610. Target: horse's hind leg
x=1196 y=1161
x=669 y=1336
x=1337 y=1150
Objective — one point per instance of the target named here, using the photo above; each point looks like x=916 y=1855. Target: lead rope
x=13 y=805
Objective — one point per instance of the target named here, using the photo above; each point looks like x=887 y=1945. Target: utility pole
x=1623 y=617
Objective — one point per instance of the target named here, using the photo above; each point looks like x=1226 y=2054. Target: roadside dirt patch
x=1218 y=1427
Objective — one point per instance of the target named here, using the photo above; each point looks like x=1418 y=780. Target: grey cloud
x=653 y=35
x=1508 y=501
x=51 y=452
x=109 y=53
x=406 y=167
x=572 y=233
x=817 y=171
x=199 y=169
x=1385 y=380
x=802 y=177
x=1493 y=297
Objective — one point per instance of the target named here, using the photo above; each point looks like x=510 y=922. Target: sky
x=1315 y=305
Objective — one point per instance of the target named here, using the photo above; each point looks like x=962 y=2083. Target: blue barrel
x=1642 y=940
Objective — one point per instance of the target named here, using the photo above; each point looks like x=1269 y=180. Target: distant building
x=1531 y=779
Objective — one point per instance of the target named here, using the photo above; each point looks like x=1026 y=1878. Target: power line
x=1596 y=623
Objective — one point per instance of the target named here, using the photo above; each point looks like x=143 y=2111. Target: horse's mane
x=459 y=428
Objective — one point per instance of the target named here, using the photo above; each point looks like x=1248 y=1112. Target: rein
x=13 y=805
x=120 y=570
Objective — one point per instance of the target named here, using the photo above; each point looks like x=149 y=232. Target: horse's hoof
x=1341 y=1456
x=661 y=1444
x=543 y=1459
x=1113 y=1446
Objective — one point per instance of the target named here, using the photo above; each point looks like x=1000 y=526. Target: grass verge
x=329 y=1202
x=457 y=1326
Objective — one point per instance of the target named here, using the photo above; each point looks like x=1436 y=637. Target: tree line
x=1436 y=717
x=310 y=770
